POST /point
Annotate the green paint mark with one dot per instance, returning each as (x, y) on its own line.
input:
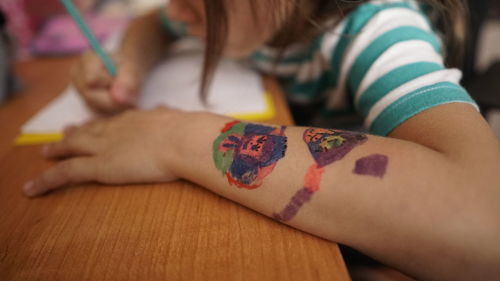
(223, 160)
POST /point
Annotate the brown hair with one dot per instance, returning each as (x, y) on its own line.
(308, 18)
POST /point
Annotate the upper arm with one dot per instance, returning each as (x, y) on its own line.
(393, 69)
(468, 145)
(395, 75)
(456, 130)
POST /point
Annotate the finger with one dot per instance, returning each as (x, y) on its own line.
(90, 72)
(82, 141)
(94, 72)
(100, 102)
(93, 83)
(63, 150)
(125, 88)
(100, 79)
(91, 96)
(69, 130)
(74, 171)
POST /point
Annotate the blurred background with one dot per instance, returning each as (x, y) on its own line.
(35, 28)
(42, 27)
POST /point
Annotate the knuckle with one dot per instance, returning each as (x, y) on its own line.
(95, 127)
(67, 172)
(68, 130)
(65, 144)
(40, 182)
(64, 169)
(50, 149)
(90, 78)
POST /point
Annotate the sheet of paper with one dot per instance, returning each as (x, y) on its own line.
(236, 89)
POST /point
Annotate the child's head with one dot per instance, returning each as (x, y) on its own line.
(243, 25)
(236, 28)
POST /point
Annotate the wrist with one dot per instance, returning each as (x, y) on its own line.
(192, 144)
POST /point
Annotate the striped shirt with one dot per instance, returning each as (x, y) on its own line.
(383, 62)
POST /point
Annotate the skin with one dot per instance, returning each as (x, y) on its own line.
(146, 42)
(326, 147)
(434, 215)
(244, 35)
(373, 165)
(247, 153)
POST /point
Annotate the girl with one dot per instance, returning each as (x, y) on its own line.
(421, 193)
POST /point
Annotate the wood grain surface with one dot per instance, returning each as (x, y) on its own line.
(175, 231)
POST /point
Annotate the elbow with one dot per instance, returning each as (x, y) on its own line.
(481, 213)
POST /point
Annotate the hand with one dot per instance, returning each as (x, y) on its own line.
(102, 92)
(133, 147)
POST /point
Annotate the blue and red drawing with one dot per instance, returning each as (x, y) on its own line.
(247, 153)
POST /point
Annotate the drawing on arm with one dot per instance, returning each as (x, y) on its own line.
(247, 153)
(326, 147)
(374, 165)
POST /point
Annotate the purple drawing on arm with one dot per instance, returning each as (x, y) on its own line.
(373, 165)
(326, 147)
(247, 153)
(292, 208)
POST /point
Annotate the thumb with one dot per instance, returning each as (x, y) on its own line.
(124, 89)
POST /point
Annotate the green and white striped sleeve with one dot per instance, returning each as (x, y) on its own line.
(177, 30)
(392, 67)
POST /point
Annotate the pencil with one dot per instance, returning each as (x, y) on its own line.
(73, 12)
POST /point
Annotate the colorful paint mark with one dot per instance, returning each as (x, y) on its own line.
(326, 147)
(302, 196)
(247, 153)
(373, 165)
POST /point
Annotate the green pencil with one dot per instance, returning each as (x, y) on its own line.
(73, 12)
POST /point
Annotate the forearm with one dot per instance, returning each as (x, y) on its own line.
(426, 200)
(403, 213)
(145, 42)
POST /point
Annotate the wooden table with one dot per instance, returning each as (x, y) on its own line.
(175, 231)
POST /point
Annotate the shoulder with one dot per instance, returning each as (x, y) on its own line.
(371, 20)
(175, 29)
(388, 60)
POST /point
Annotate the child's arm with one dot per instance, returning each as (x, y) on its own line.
(426, 201)
(144, 43)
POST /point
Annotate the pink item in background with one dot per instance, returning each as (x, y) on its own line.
(26, 17)
(39, 11)
(61, 35)
(18, 24)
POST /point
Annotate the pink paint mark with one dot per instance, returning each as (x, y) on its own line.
(326, 147)
(313, 177)
(229, 125)
(373, 165)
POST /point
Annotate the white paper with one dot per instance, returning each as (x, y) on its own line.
(175, 84)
